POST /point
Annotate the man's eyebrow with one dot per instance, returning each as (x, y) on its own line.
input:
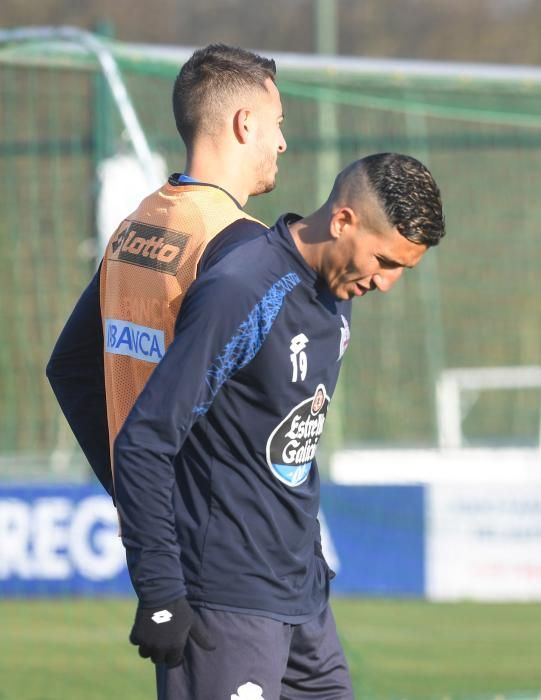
(392, 261)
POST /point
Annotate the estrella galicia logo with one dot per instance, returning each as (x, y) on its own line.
(292, 444)
(140, 342)
(149, 246)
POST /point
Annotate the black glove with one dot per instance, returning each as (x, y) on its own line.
(161, 633)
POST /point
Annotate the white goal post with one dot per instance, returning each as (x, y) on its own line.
(453, 382)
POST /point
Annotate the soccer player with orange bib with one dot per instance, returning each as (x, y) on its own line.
(228, 112)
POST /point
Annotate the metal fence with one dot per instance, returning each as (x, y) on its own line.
(473, 302)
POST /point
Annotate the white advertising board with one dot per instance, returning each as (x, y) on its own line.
(436, 466)
(483, 541)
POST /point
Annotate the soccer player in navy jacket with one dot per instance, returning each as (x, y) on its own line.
(216, 484)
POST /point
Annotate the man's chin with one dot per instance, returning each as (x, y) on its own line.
(264, 187)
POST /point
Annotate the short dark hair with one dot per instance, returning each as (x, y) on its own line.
(209, 77)
(405, 190)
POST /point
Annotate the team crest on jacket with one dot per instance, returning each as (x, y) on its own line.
(292, 444)
(344, 337)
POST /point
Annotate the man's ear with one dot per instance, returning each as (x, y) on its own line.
(243, 125)
(342, 218)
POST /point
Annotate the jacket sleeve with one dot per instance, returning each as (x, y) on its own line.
(218, 332)
(75, 372)
(239, 232)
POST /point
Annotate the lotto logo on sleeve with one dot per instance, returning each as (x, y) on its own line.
(140, 342)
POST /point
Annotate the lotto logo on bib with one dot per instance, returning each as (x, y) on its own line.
(149, 246)
(292, 445)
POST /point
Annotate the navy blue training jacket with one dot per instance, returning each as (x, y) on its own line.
(215, 478)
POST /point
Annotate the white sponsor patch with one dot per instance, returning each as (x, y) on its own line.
(292, 444)
(140, 342)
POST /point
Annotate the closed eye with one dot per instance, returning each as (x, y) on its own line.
(389, 264)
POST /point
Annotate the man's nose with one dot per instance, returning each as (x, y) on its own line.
(385, 280)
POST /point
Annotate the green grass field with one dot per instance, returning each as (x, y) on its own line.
(398, 650)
